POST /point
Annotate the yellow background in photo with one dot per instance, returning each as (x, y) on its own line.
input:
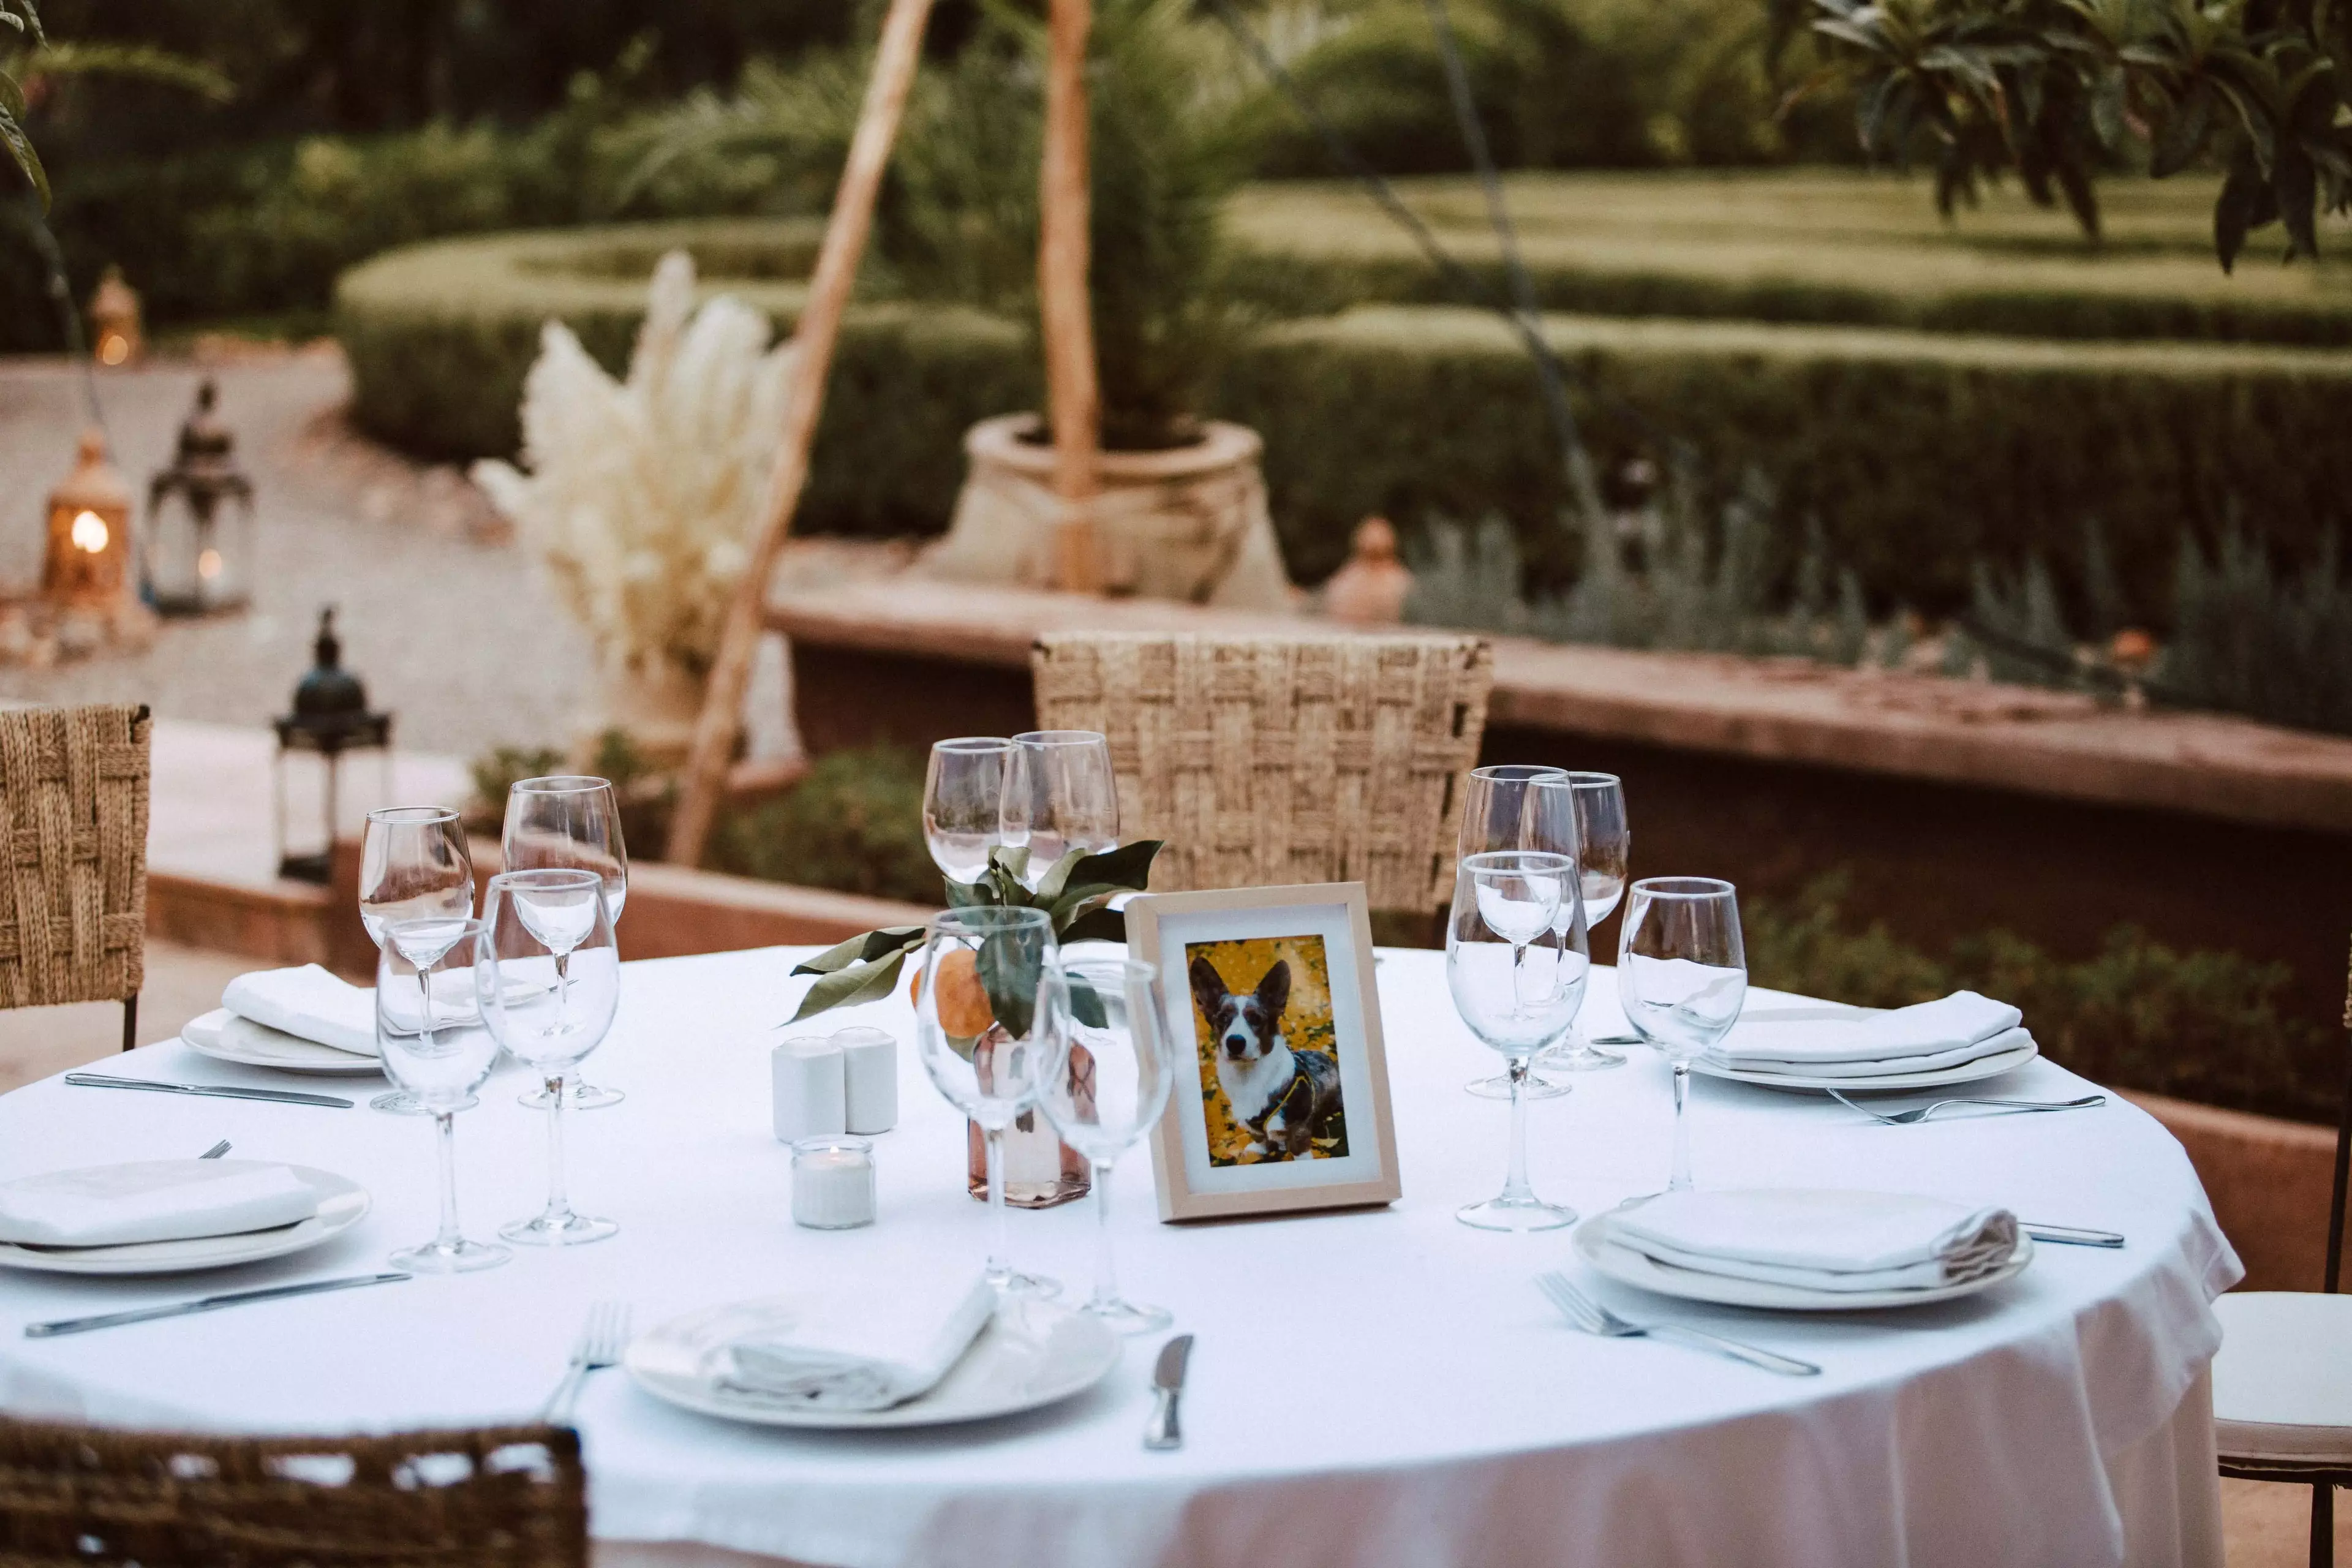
(1305, 1026)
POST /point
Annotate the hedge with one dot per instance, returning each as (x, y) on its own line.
(1812, 245)
(1920, 453)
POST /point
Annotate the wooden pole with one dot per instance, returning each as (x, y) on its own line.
(1073, 399)
(813, 338)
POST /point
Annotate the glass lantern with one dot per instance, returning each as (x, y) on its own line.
(329, 722)
(114, 329)
(86, 564)
(199, 539)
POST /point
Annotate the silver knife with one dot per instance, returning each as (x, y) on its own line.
(203, 1304)
(275, 1096)
(2069, 1236)
(1166, 1385)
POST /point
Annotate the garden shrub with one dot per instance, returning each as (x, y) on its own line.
(852, 822)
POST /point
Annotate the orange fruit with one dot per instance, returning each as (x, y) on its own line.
(960, 1000)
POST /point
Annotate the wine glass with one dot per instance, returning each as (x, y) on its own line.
(1517, 973)
(975, 1030)
(1501, 810)
(554, 984)
(964, 805)
(1103, 1079)
(1682, 974)
(1604, 847)
(1059, 795)
(569, 822)
(415, 866)
(437, 1047)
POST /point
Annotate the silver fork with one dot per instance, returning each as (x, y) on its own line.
(1595, 1319)
(603, 1339)
(1905, 1118)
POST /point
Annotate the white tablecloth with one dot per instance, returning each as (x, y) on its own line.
(1369, 1389)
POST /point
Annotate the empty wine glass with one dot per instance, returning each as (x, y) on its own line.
(1059, 795)
(1518, 973)
(437, 1046)
(569, 822)
(975, 1030)
(554, 983)
(1604, 847)
(1682, 974)
(1502, 810)
(415, 866)
(964, 805)
(1102, 1080)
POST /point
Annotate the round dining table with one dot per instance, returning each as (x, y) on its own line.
(1370, 1388)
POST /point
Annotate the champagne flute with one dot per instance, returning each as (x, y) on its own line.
(975, 1030)
(1682, 974)
(964, 805)
(415, 866)
(554, 983)
(569, 822)
(1059, 795)
(1604, 847)
(1502, 810)
(437, 1047)
(1518, 973)
(1103, 1079)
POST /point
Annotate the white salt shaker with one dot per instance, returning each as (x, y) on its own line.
(832, 1183)
(869, 1059)
(811, 1101)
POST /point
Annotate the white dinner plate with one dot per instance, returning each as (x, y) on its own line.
(1627, 1267)
(1032, 1354)
(342, 1203)
(1993, 1066)
(225, 1037)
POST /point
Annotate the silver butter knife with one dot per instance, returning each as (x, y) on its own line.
(1166, 1385)
(2068, 1235)
(275, 1096)
(203, 1304)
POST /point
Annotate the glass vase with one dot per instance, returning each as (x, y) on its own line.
(1040, 1169)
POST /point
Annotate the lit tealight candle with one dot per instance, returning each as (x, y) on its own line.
(832, 1183)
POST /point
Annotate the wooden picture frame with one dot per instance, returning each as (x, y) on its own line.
(1322, 1135)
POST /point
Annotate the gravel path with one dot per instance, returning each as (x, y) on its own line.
(449, 622)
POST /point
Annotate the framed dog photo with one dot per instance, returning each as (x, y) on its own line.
(1286, 1104)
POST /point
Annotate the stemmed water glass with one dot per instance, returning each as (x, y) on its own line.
(1604, 847)
(569, 822)
(437, 1047)
(1059, 795)
(553, 982)
(1682, 974)
(1502, 809)
(975, 1030)
(415, 870)
(1517, 974)
(1103, 1079)
(963, 803)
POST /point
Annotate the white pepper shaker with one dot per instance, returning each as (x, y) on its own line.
(810, 1097)
(870, 1077)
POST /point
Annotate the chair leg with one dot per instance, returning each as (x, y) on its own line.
(130, 1023)
(2323, 1525)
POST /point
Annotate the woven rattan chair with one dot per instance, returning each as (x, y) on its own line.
(2283, 1382)
(73, 802)
(1266, 761)
(489, 1497)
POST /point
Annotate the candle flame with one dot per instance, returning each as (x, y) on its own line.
(208, 564)
(113, 348)
(89, 532)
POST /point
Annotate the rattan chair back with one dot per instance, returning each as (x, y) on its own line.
(1263, 760)
(509, 1496)
(73, 804)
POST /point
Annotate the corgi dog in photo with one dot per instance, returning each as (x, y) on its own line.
(1281, 1096)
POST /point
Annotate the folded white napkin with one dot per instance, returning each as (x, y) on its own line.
(1920, 1038)
(1820, 1240)
(865, 1350)
(152, 1200)
(307, 1001)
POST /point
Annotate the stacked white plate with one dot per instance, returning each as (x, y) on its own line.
(1796, 1011)
(225, 1037)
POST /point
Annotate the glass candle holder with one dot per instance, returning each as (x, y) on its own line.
(832, 1183)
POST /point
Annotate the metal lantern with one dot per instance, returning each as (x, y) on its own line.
(330, 720)
(200, 520)
(115, 337)
(87, 564)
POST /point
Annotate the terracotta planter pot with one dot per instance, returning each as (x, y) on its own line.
(1191, 523)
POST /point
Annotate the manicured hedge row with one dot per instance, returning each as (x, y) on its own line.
(1920, 453)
